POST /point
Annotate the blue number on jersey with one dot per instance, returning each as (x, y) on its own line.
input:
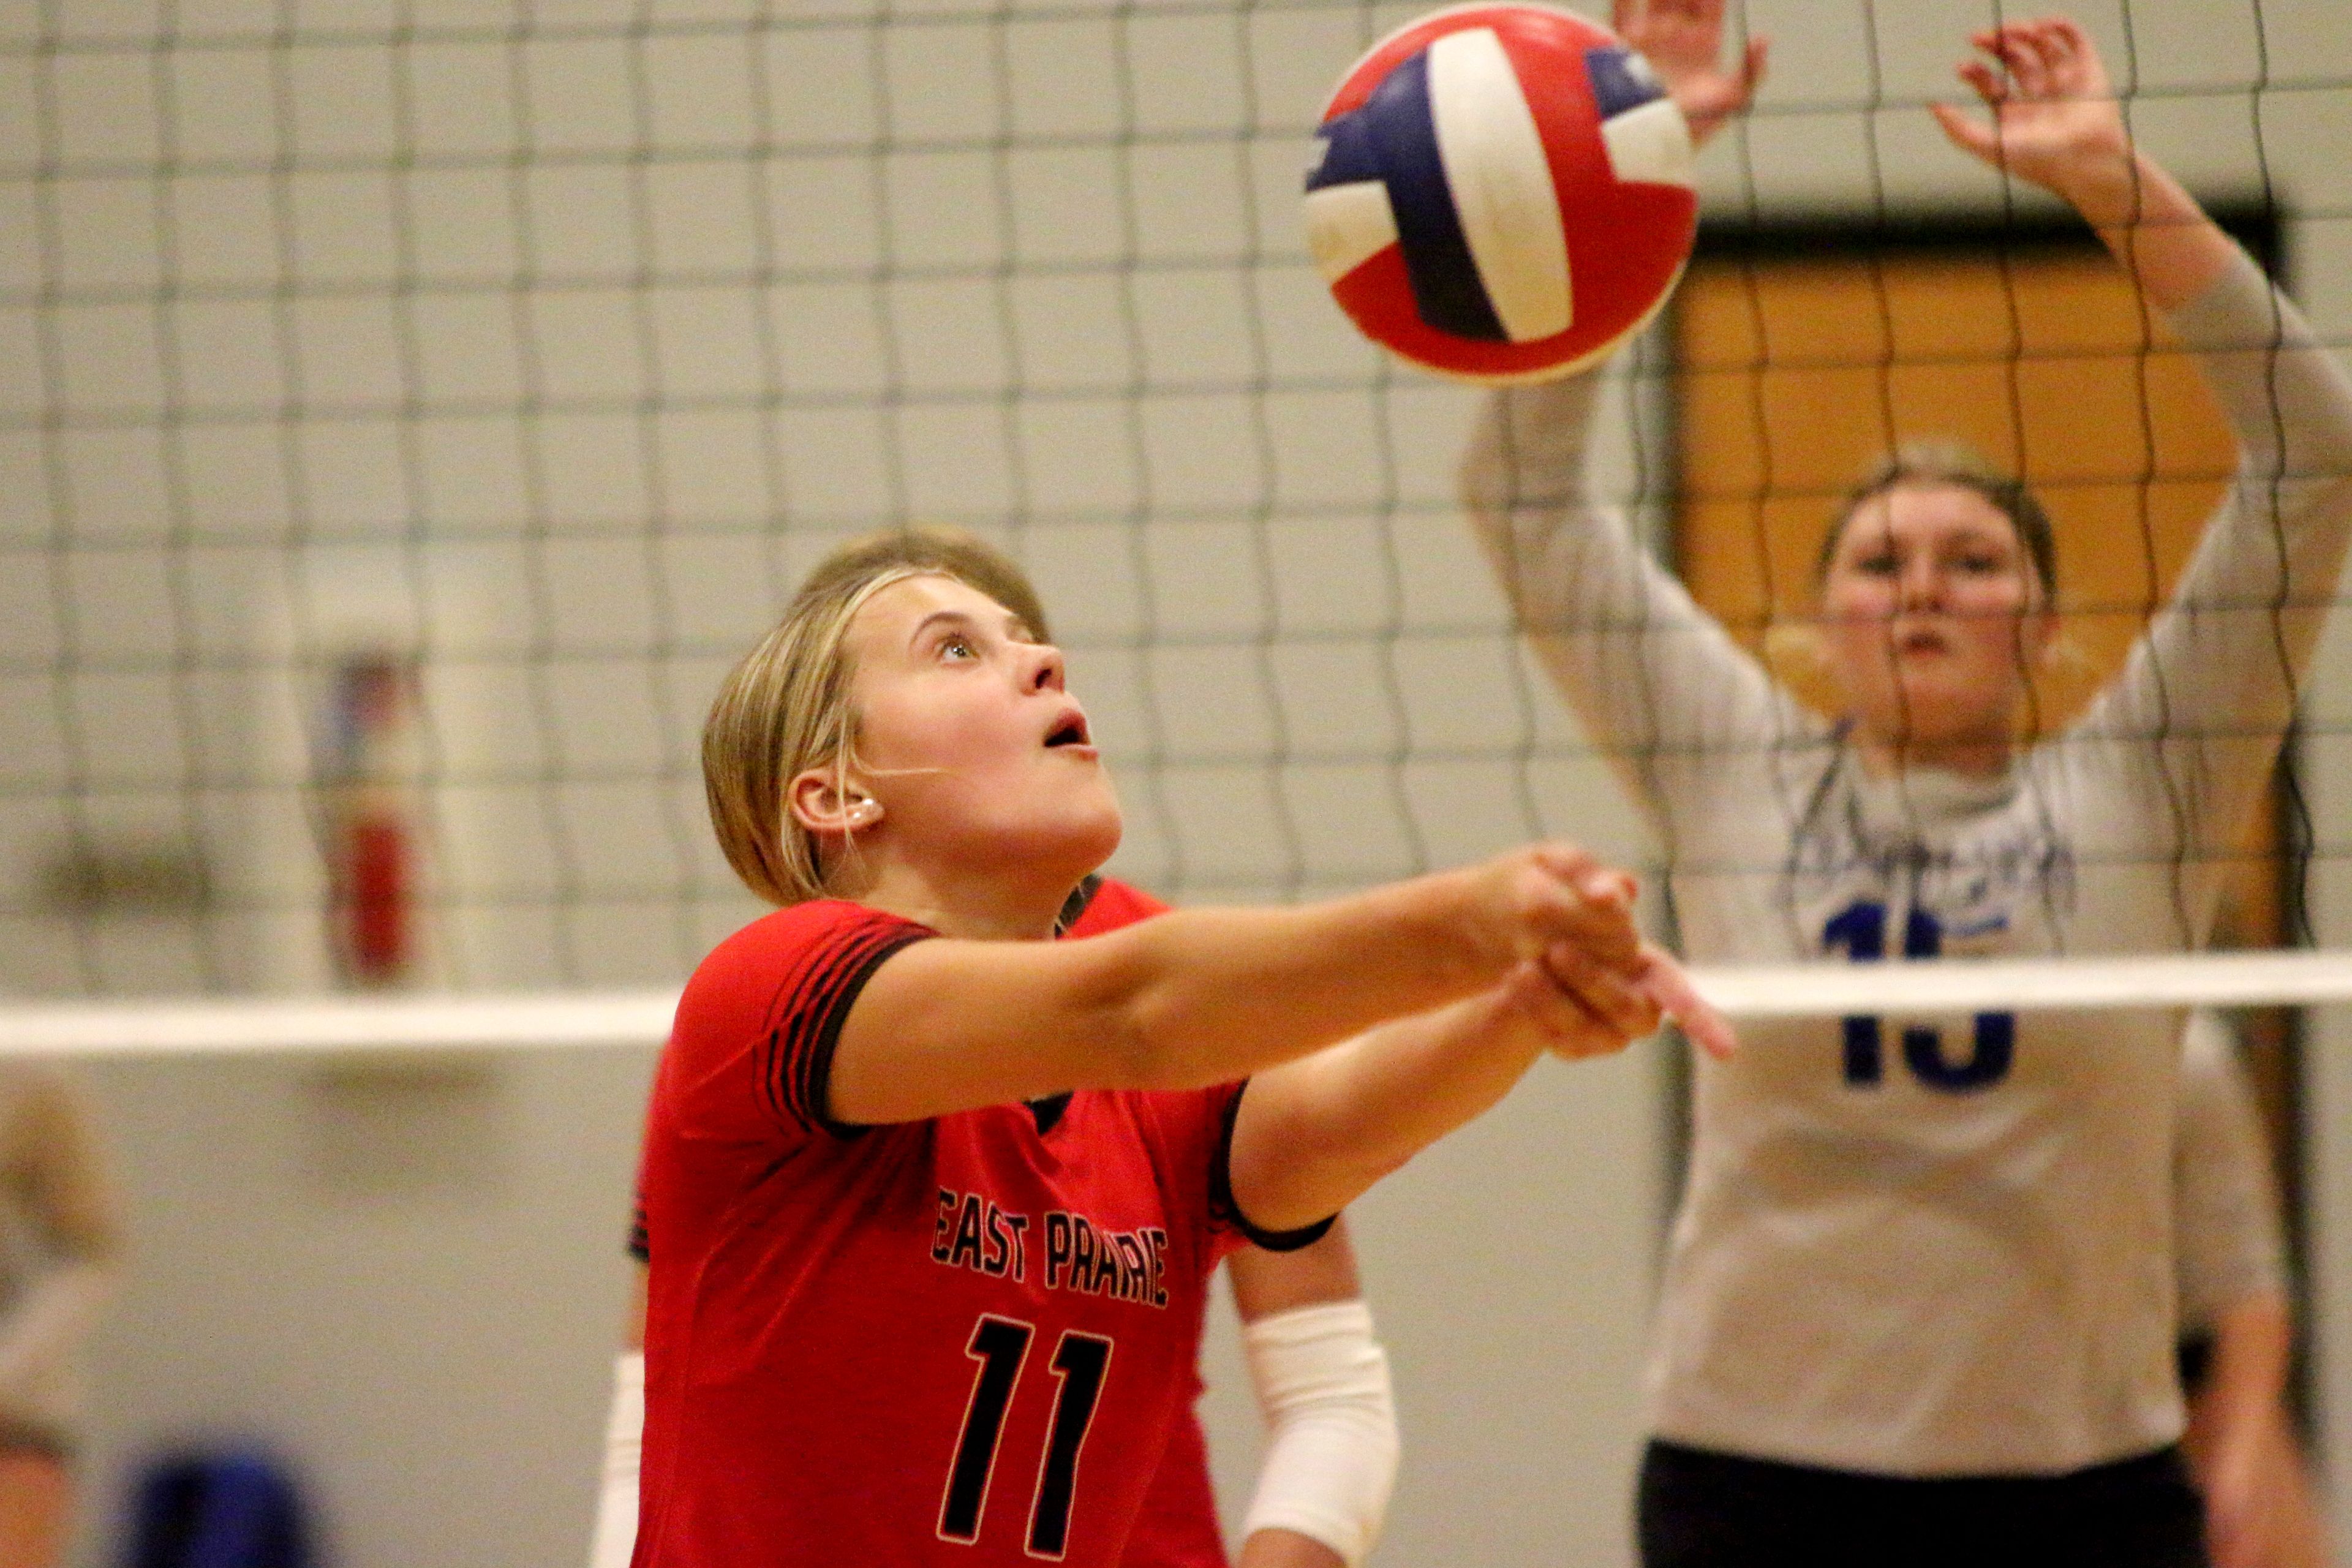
(1861, 930)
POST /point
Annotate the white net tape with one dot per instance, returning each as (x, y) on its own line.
(641, 1017)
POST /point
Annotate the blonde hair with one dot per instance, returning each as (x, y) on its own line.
(785, 708)
(950, 552)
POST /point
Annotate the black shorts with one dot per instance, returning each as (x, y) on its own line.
(1700, 1508)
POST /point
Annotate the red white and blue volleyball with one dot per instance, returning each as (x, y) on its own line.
(1503, 193)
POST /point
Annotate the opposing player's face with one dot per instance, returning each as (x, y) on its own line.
(1934, 617)
(968, 735)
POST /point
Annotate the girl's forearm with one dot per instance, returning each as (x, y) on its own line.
(1223, 993)
(2154, 226)
(1233, 992)
(2253, 1344)
(1196, 998)
(1314, 1134)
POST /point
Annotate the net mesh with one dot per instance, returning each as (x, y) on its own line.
(412, 409)
(409, 408)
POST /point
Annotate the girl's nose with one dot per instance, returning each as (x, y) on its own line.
(1922, 585)
(1047, 672)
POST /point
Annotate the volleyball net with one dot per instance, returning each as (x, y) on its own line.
(407, 422)
(409, 411)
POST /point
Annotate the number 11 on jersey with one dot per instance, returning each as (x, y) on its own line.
(1001, 1346)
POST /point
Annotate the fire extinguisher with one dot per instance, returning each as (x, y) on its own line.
(370, 835)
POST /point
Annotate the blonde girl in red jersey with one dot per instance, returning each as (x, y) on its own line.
(1319, 1372)
(931, 1200)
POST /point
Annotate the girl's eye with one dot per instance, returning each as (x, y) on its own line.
(1879, 566)
(956, 645)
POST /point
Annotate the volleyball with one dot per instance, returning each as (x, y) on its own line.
(1501, 193)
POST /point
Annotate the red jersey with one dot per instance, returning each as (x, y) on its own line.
(963, 1340)
(1178, 1525)
(1103, 904)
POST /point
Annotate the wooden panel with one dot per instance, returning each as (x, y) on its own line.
(1797, 375)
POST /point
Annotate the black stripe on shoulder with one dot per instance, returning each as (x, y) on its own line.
(815, 1027)
(771, 1058)
(1222, 1208)
(783, 1069)
(813, 1031)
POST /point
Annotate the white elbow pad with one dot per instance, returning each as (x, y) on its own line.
(1322, 1383)
(616, 1504)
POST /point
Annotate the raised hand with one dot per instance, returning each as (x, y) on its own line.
(1682, 41)
(2055, 120)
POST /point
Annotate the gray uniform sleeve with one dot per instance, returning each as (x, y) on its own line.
(2214, 683)
(2228, 1244)
(1661, 688)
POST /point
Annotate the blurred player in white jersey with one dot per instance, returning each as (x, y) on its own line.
(1917, 1303)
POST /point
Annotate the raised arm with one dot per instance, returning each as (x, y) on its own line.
(2216, 676)
(2215, 680)
(1203, 996)
(1657, 683)
(1661, 688)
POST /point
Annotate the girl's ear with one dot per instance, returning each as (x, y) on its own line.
(823, 804)
(2039, 630)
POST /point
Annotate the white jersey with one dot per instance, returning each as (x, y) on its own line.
(1937, 1246)
(2227, 1206)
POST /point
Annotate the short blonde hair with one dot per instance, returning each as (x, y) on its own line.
(785, 708)
(950, 552)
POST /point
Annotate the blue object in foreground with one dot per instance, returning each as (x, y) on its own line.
(229, 1509)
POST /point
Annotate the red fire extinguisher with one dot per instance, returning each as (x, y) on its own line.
(370, 838)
